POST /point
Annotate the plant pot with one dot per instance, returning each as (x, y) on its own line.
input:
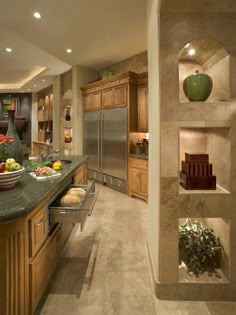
(198, 86)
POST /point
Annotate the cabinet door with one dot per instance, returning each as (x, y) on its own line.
(96, 100)
(107, 98)
(92, 101)
(143, 182)
(38, 229)
(87, 102)
(143, 108)
(41, 270)
(115, 97)
(134, 180)
(120, 95)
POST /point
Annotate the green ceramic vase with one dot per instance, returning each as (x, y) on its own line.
(14, 149)
(198, 86)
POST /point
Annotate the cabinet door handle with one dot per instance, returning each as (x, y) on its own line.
(40, 222)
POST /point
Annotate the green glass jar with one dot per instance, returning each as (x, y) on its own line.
(198, 86)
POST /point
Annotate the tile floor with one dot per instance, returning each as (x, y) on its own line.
(106, 268)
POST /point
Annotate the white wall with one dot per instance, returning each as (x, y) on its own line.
(154, 131)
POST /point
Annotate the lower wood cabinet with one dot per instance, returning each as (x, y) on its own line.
(38, 230)
(80, 176)
(41, 269)
(30, 250)
(138, 178)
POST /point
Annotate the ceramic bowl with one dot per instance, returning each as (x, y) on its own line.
(9, 180)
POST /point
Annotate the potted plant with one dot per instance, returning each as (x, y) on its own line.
(199, 248)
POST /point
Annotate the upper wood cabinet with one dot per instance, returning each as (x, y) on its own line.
(92, 101)
(143, 107)
(142, 99)
(114, 92)
(115, 97)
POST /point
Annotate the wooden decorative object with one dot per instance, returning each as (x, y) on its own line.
(196, 172)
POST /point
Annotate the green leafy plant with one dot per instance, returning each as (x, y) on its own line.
(199, 248)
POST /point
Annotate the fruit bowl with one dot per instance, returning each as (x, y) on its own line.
(8, 180)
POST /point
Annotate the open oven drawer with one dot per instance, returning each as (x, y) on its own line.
(75, 214)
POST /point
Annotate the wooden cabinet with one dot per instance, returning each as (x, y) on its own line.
(45, 115)
(40, 148)
(138, 178)
(114, 92)
(143, 107)
(80, 176)
(30, 250)
(92, 101)
(38, 230)
(41, 269)
(114, 97)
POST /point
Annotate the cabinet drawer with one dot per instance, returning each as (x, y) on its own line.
(42, 268)
(38, 229)
(138, 163)
(73, 214)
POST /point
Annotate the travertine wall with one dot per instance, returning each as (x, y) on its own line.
(209, 126)
(137, 63)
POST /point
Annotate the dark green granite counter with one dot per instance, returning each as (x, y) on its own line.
(29, 193)
(139, 156)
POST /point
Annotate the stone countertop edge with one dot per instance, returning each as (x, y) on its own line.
(28, 193)
(139, 156)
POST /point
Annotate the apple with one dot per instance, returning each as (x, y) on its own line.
(9, 161)
(2, 167)
(15, 167)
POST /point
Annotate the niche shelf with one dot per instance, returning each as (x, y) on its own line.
(214, 141)
(210, 57)
(221, 228)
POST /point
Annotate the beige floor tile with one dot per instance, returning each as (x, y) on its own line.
(222, 308)
(181, 308)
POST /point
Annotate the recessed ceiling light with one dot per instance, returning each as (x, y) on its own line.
(35, 85)
(43, 80)
(37, 15)
(28, 89)
(8, 49)
(187, 45)
(69, 50)
(22, 91)
(191, 52)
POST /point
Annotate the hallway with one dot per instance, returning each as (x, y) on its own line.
(106, 269)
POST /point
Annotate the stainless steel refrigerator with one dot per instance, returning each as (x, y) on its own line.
(105, 141)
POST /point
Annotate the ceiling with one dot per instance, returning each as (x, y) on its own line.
(99, 33)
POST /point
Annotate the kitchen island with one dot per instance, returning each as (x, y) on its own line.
(30, 247)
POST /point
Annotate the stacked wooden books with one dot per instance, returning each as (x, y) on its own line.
(196, 172)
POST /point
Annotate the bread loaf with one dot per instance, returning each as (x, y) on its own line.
(77, 191)
(70, 200)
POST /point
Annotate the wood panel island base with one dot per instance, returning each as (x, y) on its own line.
(30, 244)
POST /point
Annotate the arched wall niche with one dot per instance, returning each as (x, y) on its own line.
(208, 56)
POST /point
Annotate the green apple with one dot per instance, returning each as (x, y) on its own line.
(10, 161)
(15, 167)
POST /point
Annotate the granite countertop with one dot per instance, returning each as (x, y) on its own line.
(139, 156)
(29, 193)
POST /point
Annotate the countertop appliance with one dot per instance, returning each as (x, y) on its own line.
(105, 139)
